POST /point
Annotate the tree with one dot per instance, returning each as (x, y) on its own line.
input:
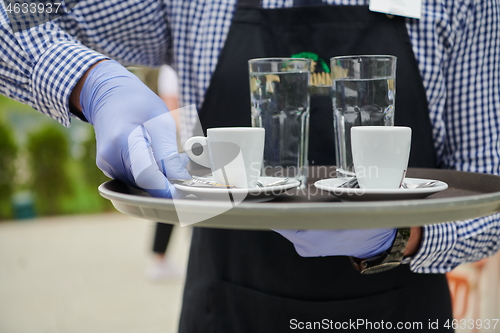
(8, 154)
(48, 151)
(92, 175)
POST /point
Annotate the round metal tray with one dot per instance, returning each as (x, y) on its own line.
(469, 195)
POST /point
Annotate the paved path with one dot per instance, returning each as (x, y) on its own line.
(85, 274)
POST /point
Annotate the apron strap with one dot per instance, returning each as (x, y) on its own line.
(296, 3)
(249, 3)
(302, 3)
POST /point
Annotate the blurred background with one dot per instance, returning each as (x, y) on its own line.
(46, 169)
(70, 263)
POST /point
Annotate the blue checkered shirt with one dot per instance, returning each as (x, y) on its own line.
(456, 43)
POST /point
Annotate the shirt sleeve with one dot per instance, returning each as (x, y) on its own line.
(462, 78)
(40, 66)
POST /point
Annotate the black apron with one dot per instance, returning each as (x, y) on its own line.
(254, 281)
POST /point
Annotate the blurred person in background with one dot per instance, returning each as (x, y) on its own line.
(258, 281)
(163, 268)
(168, 86)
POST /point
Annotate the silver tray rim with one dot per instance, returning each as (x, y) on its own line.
(311, 215)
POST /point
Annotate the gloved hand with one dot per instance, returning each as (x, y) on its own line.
(135, 132)
(360, 243)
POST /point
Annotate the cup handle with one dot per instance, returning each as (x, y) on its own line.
(201, 159)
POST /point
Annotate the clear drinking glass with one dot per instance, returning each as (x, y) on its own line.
(363, 93)
(280, 104)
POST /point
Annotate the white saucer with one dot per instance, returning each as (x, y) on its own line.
(357, 194)
(237, 195)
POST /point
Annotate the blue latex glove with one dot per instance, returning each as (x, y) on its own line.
(360, 243)
(135, 132)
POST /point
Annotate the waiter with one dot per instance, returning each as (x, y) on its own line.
(255, 281)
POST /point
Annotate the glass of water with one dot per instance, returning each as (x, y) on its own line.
(280, 104)
(364, 94)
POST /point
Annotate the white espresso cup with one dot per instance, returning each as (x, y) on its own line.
(234, 154)
(380, 155)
